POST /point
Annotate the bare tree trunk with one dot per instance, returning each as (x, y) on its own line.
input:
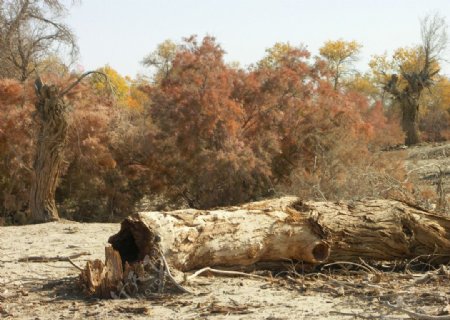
(410, 119)
(434, 42)
(51, 114)
(273, 232)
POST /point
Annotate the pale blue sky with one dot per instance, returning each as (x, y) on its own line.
(121, 32)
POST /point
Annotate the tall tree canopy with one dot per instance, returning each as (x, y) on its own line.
(30, 31)
(340, 55)
(161, 59)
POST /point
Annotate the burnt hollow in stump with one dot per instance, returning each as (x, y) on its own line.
(134, 241)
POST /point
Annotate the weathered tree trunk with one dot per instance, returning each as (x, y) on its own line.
(413, 81)
(237, 236)
(381, 230)
(280, 230)
(51, 114)
(410, 119)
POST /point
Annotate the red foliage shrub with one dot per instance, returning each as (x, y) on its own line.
(227, 136)
(16, 151)
(384, 132)
(11, 92)
(201, 154)
(103, 179)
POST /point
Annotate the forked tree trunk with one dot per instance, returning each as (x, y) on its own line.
(410, 119)
(273, 232)
(51, 139)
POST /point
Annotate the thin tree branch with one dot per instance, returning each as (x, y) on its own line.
(84, 75)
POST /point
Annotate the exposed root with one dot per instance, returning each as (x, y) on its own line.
(166, 266)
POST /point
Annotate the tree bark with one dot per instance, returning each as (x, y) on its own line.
(381, 230)
(410, 119)
(52, 117)
(284, 229)
(237, 236)
(408, 98)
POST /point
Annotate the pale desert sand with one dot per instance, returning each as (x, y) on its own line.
(48, 290)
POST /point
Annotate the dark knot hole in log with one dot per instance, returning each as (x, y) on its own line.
(321, 251)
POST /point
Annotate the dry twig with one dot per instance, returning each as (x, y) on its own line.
(72, 263)
(414, 315)
(355, 315)
(224, 272)
(52, 259)
(370, 270)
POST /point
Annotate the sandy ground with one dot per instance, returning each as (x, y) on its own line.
(48, 290)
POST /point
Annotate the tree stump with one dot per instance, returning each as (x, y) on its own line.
(103, 278)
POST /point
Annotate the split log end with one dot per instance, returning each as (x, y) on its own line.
(102, 279)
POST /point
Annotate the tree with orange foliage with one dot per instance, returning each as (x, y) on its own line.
(316, 137)
(16, 152)
(201, 155)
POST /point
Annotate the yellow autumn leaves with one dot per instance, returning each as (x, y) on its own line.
(340, 55)
(126, 91)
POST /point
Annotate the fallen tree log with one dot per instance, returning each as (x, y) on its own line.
(279, 230)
